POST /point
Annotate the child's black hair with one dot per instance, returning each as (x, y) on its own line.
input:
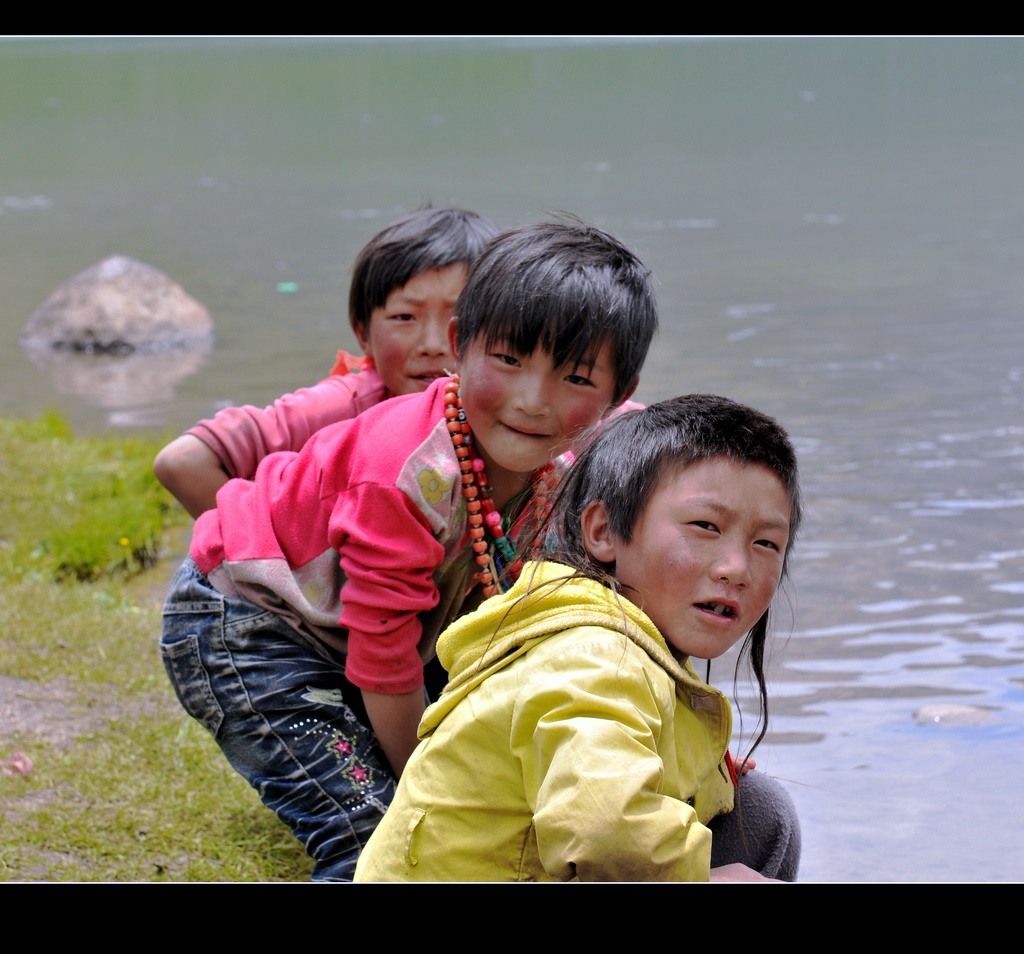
(563, 286)
(415, 243)
(630, 455)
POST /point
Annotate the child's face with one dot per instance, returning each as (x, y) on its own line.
(408, 337)
(706, 556)
(524, 412)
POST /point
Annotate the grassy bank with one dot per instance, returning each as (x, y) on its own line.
(123, 785)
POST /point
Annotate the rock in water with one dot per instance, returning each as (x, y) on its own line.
(119, 306)
(120, 335)
(948, 713)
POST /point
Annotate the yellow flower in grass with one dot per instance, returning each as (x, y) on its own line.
(433, 485)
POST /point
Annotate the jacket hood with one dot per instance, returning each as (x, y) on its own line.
(547, 599)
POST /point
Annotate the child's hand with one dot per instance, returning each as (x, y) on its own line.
(737, 872)
(736, 769)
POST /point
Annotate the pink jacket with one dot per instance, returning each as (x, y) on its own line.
(352, 538)
(242, 436)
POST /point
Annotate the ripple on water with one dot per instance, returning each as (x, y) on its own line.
(1015, 586)
(897, 606)
(976, 504)
(948, 713)
(22, 203)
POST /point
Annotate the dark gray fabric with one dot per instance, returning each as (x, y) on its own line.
(762, 832)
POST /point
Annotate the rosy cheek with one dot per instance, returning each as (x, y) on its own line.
(580, 416)
(394, 353)
(486, 391)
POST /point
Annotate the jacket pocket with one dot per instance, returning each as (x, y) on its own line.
(410, 833)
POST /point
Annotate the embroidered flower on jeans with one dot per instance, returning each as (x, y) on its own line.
(359, 774)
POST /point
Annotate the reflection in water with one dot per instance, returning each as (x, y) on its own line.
(130, 387)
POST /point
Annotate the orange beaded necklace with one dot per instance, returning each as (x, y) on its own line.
(499, 564)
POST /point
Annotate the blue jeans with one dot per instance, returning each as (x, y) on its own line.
(273, 701)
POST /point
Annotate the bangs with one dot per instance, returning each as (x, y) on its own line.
(566, 288)
(569, 313)
(416, 243)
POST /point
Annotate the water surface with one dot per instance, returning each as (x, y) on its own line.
(836, 228)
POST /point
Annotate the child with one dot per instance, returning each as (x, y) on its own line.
(308, 669)
(405, 283)
(575, 739)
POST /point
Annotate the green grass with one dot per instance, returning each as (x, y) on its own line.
(86, 509)
(125, 787)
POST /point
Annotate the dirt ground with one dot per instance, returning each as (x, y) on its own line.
(52, 711)
(42, 710)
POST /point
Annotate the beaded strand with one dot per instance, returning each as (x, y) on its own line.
(497, 560)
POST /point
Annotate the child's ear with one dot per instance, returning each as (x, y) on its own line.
(627, 394)
(362, 331)
(598, 538)
(452, 322)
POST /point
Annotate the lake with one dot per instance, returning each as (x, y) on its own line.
(836, 227)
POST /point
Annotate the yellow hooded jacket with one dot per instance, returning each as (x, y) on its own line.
(569, 743)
